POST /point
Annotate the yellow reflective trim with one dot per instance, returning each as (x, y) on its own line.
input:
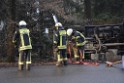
(62, 32)
(81, 44)
(81, 34)
(58, 57)
(28, 62)
(62, 47)
(60, 40)
(13, 41)
(65, 59)
(75, 53)
(21, 63)
(55, 42)
(25, 47)
(23, 31)
(73, 37)
(77, 37)
(56, 35)
(19, 60)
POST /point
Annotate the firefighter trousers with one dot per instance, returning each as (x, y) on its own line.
(61, 55)
(78, 52)
(24, 56)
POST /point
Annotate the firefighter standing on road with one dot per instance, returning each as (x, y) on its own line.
(78, 41)
(60, 38)
(22, 40)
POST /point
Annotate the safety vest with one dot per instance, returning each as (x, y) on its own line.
(25, 39)
(62, 39)
(79, 39)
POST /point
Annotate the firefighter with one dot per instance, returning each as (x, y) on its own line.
(78, 41)
(59, 41)
(22, 40)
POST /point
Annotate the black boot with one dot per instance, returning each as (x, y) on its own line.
(65, 62)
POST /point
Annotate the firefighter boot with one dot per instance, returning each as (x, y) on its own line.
(20, 67)
(28, 67)
(59, 63)
(77, 61)
(65, 62)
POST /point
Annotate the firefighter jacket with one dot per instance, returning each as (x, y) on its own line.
(78, 38)
(22, 39)
(60, 39)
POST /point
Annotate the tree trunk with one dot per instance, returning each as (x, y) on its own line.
(10, 46)
(10, 30)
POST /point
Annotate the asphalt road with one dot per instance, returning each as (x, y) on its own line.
(68, 74)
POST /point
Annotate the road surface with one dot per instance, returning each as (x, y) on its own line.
(68, 74)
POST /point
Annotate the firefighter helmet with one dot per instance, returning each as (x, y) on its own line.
(69, 32)
(58, 24)
(22, 23)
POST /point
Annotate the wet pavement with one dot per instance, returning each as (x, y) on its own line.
(68, 74)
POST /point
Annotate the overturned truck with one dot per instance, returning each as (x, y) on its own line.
(105, 42)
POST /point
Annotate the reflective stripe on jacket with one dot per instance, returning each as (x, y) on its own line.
(79, 38)
(60, 39)
(25, 39)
